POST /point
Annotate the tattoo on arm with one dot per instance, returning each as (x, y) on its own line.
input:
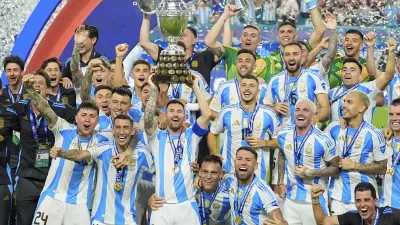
(43, 107)
(218, 52)
(331, 53)
(281, 167)
(377, 168)
(77, 81)
(149, 123)
(332, 169)
(87, 85)
(75, 155)
(277, 215)
(75, 59)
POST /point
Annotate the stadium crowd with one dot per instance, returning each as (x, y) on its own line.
(286, 139)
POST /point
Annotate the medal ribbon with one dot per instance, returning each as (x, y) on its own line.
(206, 210)
(120, 171)
(287, 84)
(249, 130)
(337, 97)
(175, 90)
(346, 148)
(395, 160)
(297, 151)
(35, 124)
(239, 206)
(376, 217)
(178, 149)
(88, 145)
(58, 98)
(11, 94)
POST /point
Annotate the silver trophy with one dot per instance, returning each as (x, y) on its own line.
(172, 17)
(240, 4)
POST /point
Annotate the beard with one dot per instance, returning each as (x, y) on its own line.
(298, 64)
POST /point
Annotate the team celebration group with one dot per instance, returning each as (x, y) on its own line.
(286, 139)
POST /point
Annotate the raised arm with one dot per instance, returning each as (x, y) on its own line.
(370, 40)
(330, 24)
(39, 102)
(79, 38)
(150, 123)
(73, 154)
(383, 80)
(147, 45)
(211, 38)
(205, 110)
(119, 78)
(316, 19)
(325, 109)
(319, 215)
(94, 65)
(227, 36)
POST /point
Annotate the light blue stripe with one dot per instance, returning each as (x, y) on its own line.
(228, 123)
(162, 140)
(98, 215)
(119, 207)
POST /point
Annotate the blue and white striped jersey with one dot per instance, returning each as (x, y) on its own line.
(182, 91)
(391, 183)
(393, 88)
(136, 101)
(104, 122)
(336, 99)
(263, 92)
(319, 69)
(284, 88)
(368, 147)
(111, 206)
(175, 188)
(228, 93)
(260, 201)
(220, 207)
(69, 181)
(234, 122)
(318, 149)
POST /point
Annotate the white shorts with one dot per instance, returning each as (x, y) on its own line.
(183, 213)
(300, 212)
(338, 207)
(55, 212)
(143, 192)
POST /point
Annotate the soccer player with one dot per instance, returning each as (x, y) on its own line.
(8, 122)
(213, 198)
(361, 148)
(36, 141)
(173, 151)
(390, 191)
(140, 73)
(61, 88)
(202, 62)
(102, 98)
(13, 91)
(115, 190)
(245, 124)
(252, 200)
(85, 39)
(294, 83)
(367, 212)
(350, 73)
(228, 92)
(307, 157)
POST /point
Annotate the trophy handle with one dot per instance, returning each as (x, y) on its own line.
(147, 7)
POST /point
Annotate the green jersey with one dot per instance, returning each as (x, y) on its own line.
(265, 66)
(335, 72)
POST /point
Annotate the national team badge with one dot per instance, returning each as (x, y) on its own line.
(390, 171)
(64, 100)
(288, 147)
(216, 206)
(308, 151)
(1, 122)
(195, 63)
(302, 86)
(258, 124)
(358, 144)
(25, 96)
(132, 163)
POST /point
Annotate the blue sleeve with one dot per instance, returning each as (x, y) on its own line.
(198, 130)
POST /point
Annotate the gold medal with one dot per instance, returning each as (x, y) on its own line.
(175, 170)
(390, 171)
(238, 220)
(118, 186)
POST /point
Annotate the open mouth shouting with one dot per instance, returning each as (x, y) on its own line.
(247, 94)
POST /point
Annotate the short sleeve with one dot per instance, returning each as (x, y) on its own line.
(379, 144)
(268, 99)
(349, 218)
(268, 201)
(374, 91)
(60, 125)
(96, 150)
(217, 126)
(215, 104)
(320, 86)
(330, 149)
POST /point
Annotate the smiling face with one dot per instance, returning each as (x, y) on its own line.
(13, 73)
(86, 120)
(352, 106)
(303, 115)
(120, 104)
(175, 115)
(292, 56)
(250, 39)
(102, 100)
(210, 175)
(123, 131)
(144, 98)
(54, 72)
(100, 77)
(286, 35)
(350, 74)
(139, 74)
(249, 90)
(39, 84)
(365, 204)
(352, 44)
(245, 165)
(245, 64)
(394, 118)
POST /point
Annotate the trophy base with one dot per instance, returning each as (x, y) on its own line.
(172, 68)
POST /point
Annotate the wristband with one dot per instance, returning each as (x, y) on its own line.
(310, 4)
(315, 201)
